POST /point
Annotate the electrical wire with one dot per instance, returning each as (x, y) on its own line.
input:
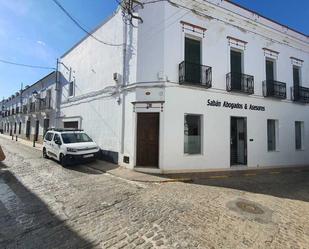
(25, 65)
(82, 28)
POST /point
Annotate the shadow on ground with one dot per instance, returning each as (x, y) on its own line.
(285, 185)
(27, 222)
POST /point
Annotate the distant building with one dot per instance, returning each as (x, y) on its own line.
(31, 111)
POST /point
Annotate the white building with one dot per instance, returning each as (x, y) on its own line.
(198, 85)
(31, 111)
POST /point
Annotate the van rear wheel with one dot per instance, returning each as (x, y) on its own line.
(45, 153)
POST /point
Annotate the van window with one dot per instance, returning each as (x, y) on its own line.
(49, 136)
(69, 138)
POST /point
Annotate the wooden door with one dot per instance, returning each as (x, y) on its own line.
(147, 150)
(192, 60)
(36, 134)
(236, 70)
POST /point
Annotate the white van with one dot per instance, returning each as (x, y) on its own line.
(69, 146)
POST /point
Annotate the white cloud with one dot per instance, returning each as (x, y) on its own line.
(41, 43)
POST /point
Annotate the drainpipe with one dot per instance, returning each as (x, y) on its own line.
(57, 99)
(124, 80)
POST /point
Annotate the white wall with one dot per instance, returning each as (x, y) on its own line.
(216, 130)
(220, 23)
(98, 103)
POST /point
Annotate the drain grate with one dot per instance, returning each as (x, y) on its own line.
(249, 207)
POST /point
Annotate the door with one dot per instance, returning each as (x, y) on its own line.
(296, 82)
(238, 141)
(236, 69)
(192, 60)
(28, 127)
(55, 148)
(46, 126)
(36, 134)
(270, 77)
(147, 146)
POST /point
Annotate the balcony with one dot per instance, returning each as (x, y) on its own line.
(237, 82)
(273, 88)
(300, 94)
(195, 74)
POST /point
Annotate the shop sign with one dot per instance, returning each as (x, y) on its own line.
(231, 105)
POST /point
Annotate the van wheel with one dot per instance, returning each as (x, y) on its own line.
(62, 160)
(45, 153)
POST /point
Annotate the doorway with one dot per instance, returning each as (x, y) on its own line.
(236, 70)
(147, 144)
(192, 60)
(36, 134)
(238, 141)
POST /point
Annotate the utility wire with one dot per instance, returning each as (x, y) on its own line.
(82, 28)
(25, 65)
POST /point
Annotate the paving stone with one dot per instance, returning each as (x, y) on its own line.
(43, 205)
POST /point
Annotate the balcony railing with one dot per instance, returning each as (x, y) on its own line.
(273, 88)
(300, 94)
(46, 104)
(195, 74)
(238, 82)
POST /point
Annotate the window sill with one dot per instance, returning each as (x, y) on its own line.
(192, 155)
(273, 151)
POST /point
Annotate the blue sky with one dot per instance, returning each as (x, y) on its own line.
(37, 32)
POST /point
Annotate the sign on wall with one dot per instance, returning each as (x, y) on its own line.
(232, 105)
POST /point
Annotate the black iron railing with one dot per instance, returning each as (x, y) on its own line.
(195, 74)
(238, 82)
(273, 88)
(300, 94)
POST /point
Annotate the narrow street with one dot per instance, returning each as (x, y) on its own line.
(43, 205)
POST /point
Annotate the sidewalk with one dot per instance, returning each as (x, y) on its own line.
(23, 141)
(132, 175)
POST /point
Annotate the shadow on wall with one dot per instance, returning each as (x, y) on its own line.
(26, 221)
(285, 185)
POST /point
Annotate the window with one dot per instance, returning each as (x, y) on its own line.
(49, 136)
(270, 70)
(71, 88)
(272, 136)
(299, 130)
(296, 76)
(57, 138)
(192, 134)
(69, 138)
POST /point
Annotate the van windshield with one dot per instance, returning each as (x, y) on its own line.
(69, 138)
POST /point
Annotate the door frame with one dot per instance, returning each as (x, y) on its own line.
(246, 141)
(135, 140)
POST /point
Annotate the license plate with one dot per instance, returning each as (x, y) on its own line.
(87, 156)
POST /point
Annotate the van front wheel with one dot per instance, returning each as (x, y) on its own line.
(62, 160)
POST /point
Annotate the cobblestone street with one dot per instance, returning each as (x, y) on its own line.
(43, 205)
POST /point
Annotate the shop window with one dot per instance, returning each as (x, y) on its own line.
(272, 135)
(192, 134)
(299, 138)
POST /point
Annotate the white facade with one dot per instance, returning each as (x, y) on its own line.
(35, 105)
(147, 73)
